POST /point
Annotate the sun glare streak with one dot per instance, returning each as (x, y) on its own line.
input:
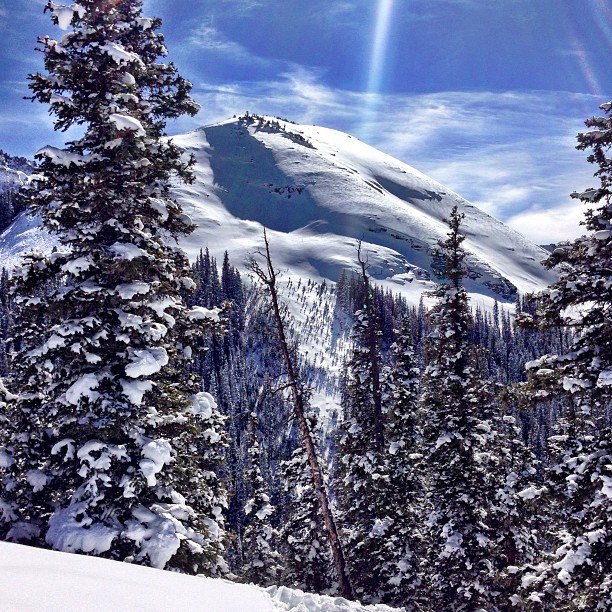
(377, 66)
(592, 23)
(379, 49)
(585, 66)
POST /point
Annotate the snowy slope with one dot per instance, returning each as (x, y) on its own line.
(33, 580)
(14, 171)
(319, 191)
(25, 234)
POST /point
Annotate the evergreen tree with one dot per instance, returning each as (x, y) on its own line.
(402, 488)
(5, 320)
(259, 557)
(578, 576)
(7, 211)
(13, 169)
(519, 512)
(463, 468)
(307, 560)
(360, 464)
(7, 510)
(116, 449)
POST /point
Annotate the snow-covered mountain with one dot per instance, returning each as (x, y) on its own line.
(319, 192)
(14, 170)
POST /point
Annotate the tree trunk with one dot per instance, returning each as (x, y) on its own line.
(268, 278)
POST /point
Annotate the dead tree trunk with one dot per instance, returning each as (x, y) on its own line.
(267, 276)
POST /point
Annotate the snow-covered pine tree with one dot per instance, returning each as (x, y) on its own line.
(402, 488)
(5, 319)
(307, 561)
(115, 449)
(519, 512)
(260, 560)
(233, 291)
(461, 462)
(7, 510)
(360, 469)
(578, 576)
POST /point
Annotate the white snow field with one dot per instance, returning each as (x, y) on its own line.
(35, 580)
(319, 191)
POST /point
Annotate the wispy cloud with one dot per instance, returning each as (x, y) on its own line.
(233, 7)
(551, 225)
(209, 38)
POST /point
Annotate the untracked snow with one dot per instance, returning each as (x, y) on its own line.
(32, 579)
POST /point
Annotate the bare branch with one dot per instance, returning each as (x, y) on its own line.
(268, 278)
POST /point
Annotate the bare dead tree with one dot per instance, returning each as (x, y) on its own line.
(267, 275)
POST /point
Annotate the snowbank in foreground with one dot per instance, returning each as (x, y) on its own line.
(294, 600)
(34, 580)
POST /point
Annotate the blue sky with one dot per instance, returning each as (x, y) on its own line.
(485, 96)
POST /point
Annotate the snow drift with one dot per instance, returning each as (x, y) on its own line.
(35, 579)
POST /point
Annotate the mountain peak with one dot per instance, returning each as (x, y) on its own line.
(320, 191)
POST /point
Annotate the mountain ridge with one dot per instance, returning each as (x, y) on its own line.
(319, 185)
(320, 192)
